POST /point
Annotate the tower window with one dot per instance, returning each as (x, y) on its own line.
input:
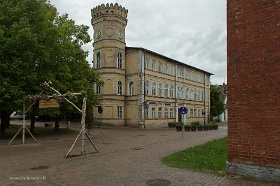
(98, 60)
(131, 88)
(120, 88)
(120, 112)
(120, 60)
(97, 89)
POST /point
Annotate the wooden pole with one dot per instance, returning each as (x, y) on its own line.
(84, 125)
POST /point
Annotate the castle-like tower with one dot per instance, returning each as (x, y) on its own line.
(109, 22)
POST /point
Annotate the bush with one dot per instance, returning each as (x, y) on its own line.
(171, 124)
(187, 127)
(195, 124)
(179, 124)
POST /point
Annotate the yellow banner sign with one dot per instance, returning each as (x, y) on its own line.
(52, 103)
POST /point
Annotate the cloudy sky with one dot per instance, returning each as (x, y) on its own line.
(190, 31)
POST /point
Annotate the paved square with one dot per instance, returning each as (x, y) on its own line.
(128, 156)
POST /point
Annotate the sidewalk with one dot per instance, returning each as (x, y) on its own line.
(127, 156)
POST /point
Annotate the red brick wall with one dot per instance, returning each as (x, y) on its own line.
(254, 82)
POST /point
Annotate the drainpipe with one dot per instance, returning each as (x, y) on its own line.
(176, 99)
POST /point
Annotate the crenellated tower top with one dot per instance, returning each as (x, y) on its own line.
(109, 9)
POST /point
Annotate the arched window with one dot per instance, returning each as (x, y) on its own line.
(160, 89)
(147, 88)
(202, 96)
(120, 60)
(147, 63)
(120, 88)
(154, 89)
(166, 90)
(131, 88)
(172, 70)
(171, 91)
(98, 60)
(187, 74)
(165, 68)
(178, 92)
(191, 94)
(154, 65)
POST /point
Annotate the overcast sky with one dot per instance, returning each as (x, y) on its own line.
(190, 31)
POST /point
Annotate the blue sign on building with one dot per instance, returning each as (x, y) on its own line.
(183, 110)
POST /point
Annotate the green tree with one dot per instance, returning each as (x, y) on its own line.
(37, 45)
(217, 106)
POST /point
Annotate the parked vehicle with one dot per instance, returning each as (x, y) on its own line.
(44, 118)
(16, 115)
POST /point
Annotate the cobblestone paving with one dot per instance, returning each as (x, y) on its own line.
(126, 157)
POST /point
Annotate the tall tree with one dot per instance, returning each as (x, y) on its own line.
(217, 106)
(37, 45)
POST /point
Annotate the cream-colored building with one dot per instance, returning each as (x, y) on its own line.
(142, 87)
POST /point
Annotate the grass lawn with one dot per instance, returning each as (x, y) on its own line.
(210, 157)
(38, 131)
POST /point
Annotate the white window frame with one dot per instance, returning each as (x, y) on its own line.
(97, 89)
(120, 111)
(160, 112)
(166, 90)
(154, 89)
(131, 88)
(166, 68)
(153, 112)
(147, 87)
(119, 88)
(160, 90)
(165, 112)
(171, 91)
(98, 60)
(171, 112)
(120, 60)
(160, 68)
(172, 70)
(146, 110)
(147, 63)
(154, 65)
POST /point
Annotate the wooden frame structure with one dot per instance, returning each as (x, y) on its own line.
(46, 85)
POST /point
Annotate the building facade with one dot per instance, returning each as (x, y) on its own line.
(253, 88)
(141, 87)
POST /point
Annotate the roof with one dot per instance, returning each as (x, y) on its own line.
(176, 61)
